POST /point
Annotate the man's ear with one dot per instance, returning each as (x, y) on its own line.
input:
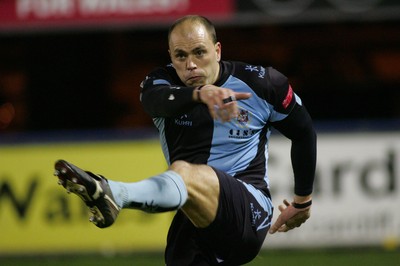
(218, 50)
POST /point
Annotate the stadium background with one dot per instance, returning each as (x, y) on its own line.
(71, 70)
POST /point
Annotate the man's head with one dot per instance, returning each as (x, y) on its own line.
(194, 50)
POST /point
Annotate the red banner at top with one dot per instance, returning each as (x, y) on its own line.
(55, 13)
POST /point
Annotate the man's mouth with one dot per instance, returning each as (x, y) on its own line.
(194, 77)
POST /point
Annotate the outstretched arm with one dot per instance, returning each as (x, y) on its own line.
(298, 127)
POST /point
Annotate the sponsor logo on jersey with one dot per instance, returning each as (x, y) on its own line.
(241, 133)
(183, 121)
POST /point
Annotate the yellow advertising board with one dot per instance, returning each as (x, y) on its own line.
(38, 216)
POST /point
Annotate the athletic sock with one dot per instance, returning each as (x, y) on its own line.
(161, 193)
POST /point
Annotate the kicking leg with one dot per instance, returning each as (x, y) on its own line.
(194, 188)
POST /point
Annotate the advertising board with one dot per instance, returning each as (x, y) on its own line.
(50, 14)
(38, 216)
(355, 195)
(355, 199)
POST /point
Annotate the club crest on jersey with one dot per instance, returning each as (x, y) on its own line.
(242, 130)
(243, 117)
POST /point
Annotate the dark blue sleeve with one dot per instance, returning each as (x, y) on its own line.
(163, 95)
(298, 127)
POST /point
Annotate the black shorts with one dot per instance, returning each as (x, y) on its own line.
(236, 235)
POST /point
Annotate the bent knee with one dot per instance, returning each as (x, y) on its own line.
(189, 170)
(197, 177)
(180, 166)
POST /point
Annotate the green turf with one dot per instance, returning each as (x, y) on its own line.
(343, 257)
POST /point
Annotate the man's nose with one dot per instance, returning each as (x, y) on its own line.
(190, 65)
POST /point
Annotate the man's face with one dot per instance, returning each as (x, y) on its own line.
(194, 55)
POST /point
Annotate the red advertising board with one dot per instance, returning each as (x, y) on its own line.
(28, 14)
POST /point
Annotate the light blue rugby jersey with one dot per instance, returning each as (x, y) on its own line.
(238, 147)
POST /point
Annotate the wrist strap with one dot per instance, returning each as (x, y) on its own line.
(198, 92)
(302, 205)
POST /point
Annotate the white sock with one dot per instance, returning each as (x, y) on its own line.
(164, 192)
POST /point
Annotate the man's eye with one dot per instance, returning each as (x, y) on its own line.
(199, 53)
(180, 56)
